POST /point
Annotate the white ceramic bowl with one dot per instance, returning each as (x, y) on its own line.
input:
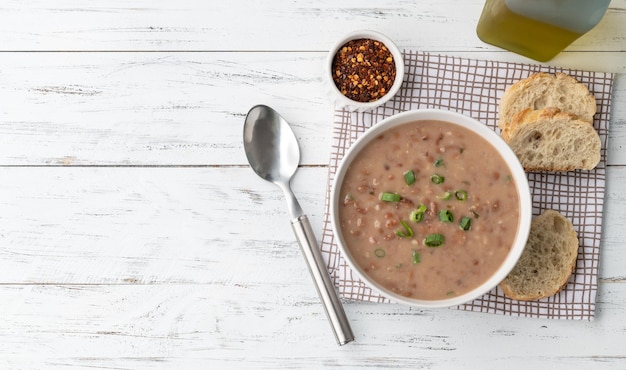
(519, 179)
(341, 100)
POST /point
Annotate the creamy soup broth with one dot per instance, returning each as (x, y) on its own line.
(454, 170)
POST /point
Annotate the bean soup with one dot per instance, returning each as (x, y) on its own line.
(429, 210)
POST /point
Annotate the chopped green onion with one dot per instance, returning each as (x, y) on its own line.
(437, 179)
(466, 223)
(416, 258)
(474, 214)
(433, 240)
(450, 293)
(461, 195)
(409, 177)
(438, 162)
(398, 265)
(418, 214)
(446, 196)
(390, 197)
(407, 228)
(445, 216)
(380, 253)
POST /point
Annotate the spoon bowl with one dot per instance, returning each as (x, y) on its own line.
(270, 145)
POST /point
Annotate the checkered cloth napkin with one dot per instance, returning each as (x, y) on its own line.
(474, 87)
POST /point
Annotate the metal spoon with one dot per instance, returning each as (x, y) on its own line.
(273, 152)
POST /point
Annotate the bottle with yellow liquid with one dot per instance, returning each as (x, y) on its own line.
(538, 29)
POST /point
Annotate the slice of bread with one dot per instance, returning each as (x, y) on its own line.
(547, 261)
(550, 140)
(543, 90)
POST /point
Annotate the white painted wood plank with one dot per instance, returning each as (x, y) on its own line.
(263, 325)
(185, 108)
(148, 225)
(180, 225)
(447, 25)
(153, 108)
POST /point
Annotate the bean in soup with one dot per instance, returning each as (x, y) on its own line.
(429, 210)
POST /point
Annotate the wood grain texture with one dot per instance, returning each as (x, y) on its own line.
(271, 325)
(249, 25)
(68, 109)
(179, 225)
(134, 236)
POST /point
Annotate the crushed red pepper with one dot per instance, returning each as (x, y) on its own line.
(364, 70)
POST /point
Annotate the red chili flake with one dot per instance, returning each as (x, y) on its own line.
(364, 70)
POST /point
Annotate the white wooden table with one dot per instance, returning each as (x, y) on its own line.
(134, 236)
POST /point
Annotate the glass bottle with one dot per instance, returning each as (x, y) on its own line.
(538, 29)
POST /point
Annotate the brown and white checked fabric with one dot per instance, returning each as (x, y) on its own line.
(474, 87)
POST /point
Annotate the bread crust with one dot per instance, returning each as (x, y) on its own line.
(528, 115)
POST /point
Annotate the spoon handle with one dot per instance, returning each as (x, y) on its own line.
(325, 288)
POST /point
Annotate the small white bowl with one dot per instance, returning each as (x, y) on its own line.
(519, 179)
(341, 100)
